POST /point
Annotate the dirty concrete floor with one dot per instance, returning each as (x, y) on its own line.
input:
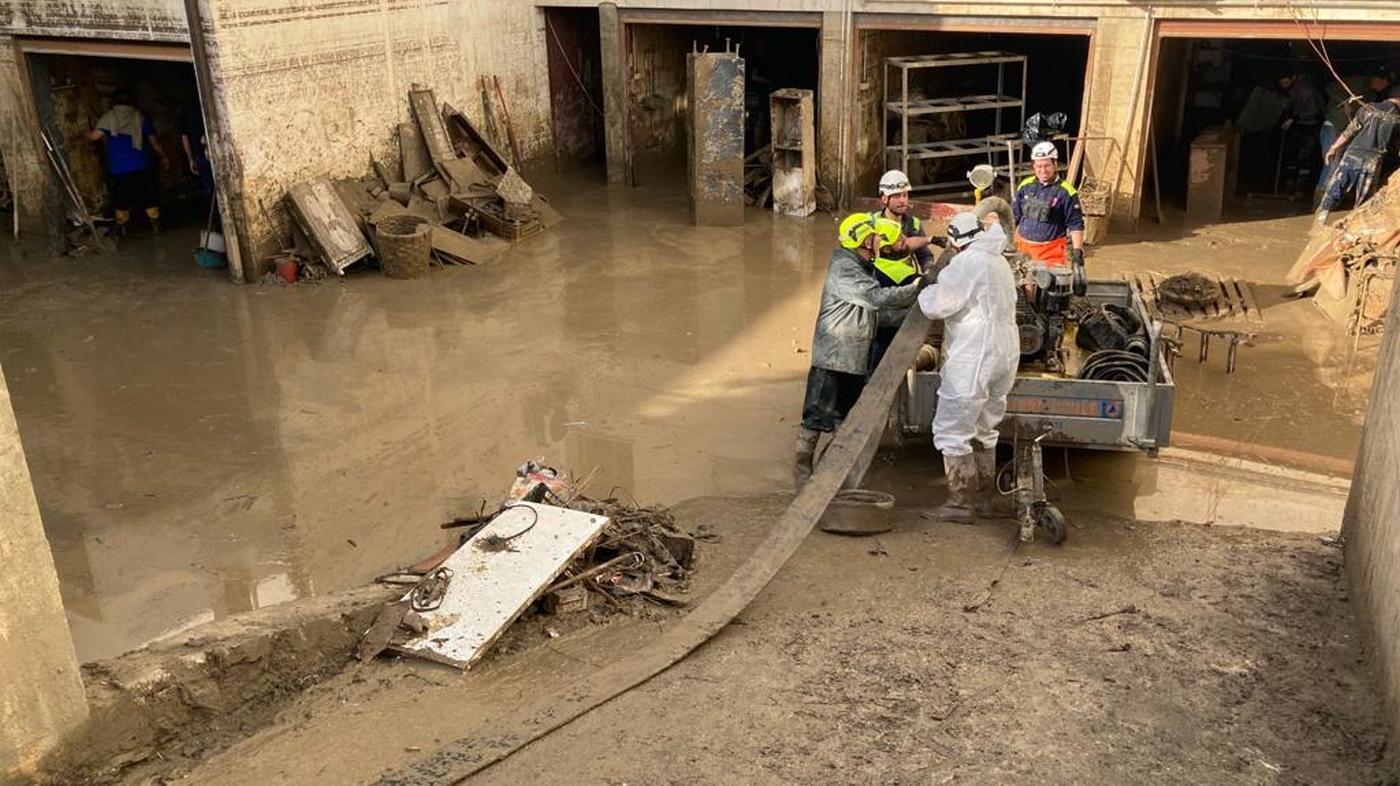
(201, 449)
(1157, 653)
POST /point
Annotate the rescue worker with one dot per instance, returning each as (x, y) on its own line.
(130, 138)
(897, 268)
(1341, 108)
(1366, 140)
(852, 305)
(975, 296)
(1049, 221)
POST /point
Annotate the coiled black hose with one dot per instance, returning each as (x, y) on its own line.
(1115, 365)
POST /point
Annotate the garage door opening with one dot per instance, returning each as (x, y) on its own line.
(1224, 146)
(132, 182)
(576, 85)
(775, 58)
(968, 94)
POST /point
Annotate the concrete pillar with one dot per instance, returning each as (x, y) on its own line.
(614, 94)
(41, 692)
(835, 108)
(715, 100)
(1117, 98)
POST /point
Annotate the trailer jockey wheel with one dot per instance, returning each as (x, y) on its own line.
(1052, 521)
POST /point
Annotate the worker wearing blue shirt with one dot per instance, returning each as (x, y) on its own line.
(1049, 220)
(130, 139)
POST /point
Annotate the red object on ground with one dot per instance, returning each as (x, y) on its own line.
(287, 269)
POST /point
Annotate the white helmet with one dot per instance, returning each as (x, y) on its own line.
(1044, 150)
(893, 182)
(962, 228)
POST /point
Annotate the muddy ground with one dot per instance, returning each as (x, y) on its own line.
(1157, 653)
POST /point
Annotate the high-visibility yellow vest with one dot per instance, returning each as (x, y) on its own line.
(898, 269)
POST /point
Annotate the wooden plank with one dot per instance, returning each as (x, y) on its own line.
(496, 575)
(1232, 295)
(467, 249)
(472, 143)
(536, 716)
(412, 153)
(435, 139)
(1251, 305)
(334, 232)
(1149, 295)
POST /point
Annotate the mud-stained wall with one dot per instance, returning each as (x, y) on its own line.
(318, 88)
(41, 693)
(17, 142)
(1371, 524)
(150, 20)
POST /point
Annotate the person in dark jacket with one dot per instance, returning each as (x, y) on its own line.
(853, 306)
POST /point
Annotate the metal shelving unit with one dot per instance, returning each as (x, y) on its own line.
(988, 148)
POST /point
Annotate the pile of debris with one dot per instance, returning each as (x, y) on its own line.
(451, 198)
(547, 550)
(1352, 265)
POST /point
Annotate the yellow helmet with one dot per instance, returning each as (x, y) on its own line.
(856, 227)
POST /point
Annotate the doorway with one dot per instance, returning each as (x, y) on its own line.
(76, 87)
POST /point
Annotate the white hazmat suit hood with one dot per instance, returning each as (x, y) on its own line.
(975, 296)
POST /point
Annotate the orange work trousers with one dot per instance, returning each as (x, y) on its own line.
(1052, 252)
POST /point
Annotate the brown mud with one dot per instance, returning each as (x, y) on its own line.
(1160, 653)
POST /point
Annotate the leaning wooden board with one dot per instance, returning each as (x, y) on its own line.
(333, 230)
(535, 719)
(497, 575)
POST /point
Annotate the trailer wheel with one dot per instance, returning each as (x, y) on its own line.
(1053, 522)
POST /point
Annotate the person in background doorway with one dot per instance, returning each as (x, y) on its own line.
(130, 138)
(1339, 111)
(1363, 145)
(851, 307)
(1049, 220)
(1303, 110)
(196, 149)
(975, 296)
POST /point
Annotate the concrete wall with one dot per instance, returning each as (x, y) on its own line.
(41, 692)
(1371, 525)
(316, 89)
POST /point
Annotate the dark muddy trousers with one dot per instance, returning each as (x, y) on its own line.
(1354, 173)
(830, 396)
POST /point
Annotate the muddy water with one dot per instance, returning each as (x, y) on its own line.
(1301, 386)
(201, 449)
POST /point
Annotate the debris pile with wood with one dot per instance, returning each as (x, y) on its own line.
(1352, 265)
(449, 199)
(548, 551)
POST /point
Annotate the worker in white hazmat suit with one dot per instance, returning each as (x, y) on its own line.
(975, 296)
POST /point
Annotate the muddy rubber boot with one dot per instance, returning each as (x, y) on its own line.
(962, 480)
(806, 451)
(986, 462)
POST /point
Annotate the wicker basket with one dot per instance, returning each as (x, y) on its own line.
(405, 246)
(1093, 197)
